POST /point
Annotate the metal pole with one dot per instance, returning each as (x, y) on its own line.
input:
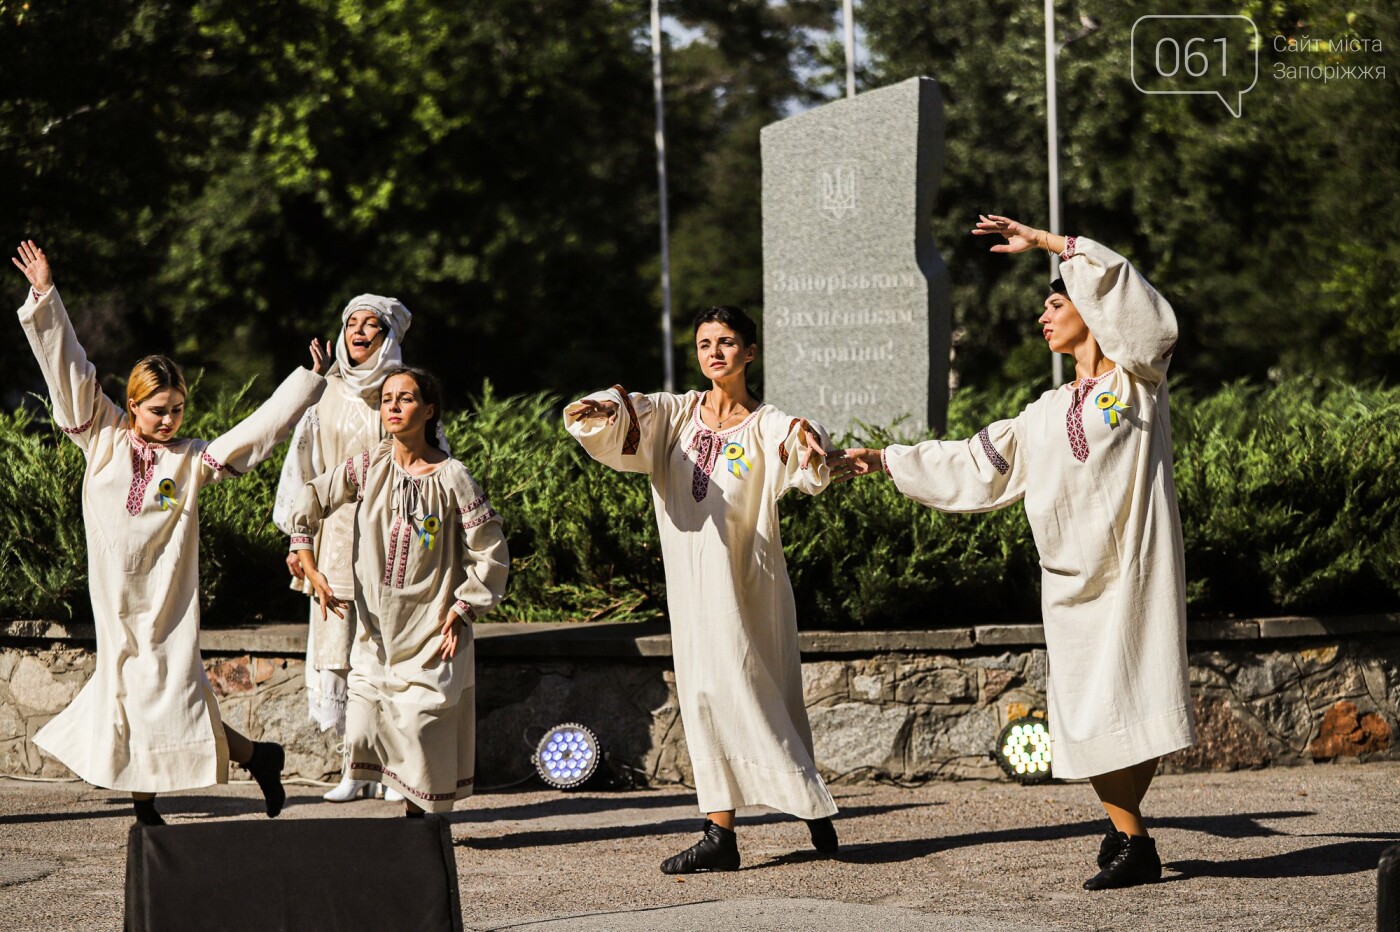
(669, 370)
(850, 17)
(1052, 134)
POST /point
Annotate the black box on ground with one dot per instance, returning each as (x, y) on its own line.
(297, 875)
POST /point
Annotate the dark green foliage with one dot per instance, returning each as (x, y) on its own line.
(1290, 500)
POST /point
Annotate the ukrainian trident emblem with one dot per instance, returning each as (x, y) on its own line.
(836, 190)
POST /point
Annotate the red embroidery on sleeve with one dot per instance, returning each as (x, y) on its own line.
(634, 429)
(78, 430)
(782, 448)
(1069, 253)
(996, 458)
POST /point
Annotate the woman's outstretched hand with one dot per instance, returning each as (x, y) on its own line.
(1018, 236)
(320, 357)
(590, 408)
(857, 461)
(35, 266)
(324, 594)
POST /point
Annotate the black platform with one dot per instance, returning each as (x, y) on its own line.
(297, 875)
(1388, 891)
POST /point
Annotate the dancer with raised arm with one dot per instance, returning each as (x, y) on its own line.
(344, 422)
(719, 461)
(147, 721)
(1093, 462)
(430, 558)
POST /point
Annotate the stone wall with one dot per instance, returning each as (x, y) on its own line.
(907, 706)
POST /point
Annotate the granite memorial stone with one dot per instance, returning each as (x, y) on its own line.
(856, 309)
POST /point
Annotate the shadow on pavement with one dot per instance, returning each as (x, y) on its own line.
(567, 805)
(1344, 857)
(1242, 825)
(573, 836)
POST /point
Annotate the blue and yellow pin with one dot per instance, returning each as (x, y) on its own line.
(734, 453)
(1109, 404)
(427, 534)
(165, 494)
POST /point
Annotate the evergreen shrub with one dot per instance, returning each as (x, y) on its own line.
(1290, 503)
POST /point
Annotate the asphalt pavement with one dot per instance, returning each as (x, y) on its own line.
(1274, 850)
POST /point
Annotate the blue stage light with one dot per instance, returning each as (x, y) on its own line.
(567, 756)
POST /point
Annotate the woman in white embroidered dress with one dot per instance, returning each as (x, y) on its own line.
(1093, 462)
(147, 721)
(430, 558)
(719, 461)
(345, 421)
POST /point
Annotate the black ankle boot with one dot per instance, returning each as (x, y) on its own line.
(1110, 846)
(266, 767)
(146, 812)
(717, 850)
(823, 835)
(1136, 863)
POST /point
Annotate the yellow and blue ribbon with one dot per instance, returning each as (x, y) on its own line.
(427, 534)
(738, 463)
(165, 494)
(1109, 404)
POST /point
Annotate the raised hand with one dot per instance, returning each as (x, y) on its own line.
(589, 408)
(35, 265)
(1019, 237)
(858, 461)
(320, 357)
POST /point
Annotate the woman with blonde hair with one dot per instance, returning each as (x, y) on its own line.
(1093, 462)
(147, 721)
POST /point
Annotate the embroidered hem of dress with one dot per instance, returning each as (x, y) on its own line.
(429, 797)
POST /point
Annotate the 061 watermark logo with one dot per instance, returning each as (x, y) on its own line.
(1178, 54)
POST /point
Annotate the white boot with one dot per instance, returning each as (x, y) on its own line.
(347, 789)
(393, 795)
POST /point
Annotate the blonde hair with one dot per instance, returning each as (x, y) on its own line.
(151, 375)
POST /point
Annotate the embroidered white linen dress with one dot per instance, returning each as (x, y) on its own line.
(147, 720)
(1094, 465)
(342, 423)
(733, 619)
(426, 547)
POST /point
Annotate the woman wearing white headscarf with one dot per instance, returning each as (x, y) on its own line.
(1093, 462)
(345, 421)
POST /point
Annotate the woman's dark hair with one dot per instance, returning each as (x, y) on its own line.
(428, 390)
(732, 317)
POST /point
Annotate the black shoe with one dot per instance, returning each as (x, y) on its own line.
(146, 812)
(717, 850)
(1110, 846)
(823, 835)
(266, 767)
(1136, 863)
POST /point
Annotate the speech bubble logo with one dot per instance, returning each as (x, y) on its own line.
(1211, 54)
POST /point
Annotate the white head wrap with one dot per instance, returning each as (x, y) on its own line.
(368, 375)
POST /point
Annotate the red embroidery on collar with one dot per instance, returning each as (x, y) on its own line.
(1074, 419)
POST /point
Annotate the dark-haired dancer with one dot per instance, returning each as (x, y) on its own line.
(147, 722)
(1093, 461)
(345, 421)
(719, 461)
(430, 558)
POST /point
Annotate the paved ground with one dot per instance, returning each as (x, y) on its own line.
(1270, 850)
